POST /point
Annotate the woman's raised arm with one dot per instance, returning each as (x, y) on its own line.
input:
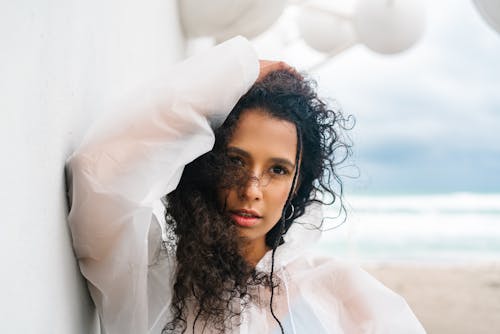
(131, 158)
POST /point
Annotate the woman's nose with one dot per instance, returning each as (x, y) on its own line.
(253, 188)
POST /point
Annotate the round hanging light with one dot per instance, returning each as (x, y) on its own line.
(324, 31)
(224, 19)
(490, 11)
(389, 26)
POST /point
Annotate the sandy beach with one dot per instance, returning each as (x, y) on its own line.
(450, 299)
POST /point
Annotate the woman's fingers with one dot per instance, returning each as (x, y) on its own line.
(268, 66)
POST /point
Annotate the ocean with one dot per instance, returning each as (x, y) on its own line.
(459, 228)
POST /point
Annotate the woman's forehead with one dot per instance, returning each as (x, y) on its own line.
(259, 133)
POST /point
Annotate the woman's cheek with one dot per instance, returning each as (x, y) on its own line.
(279, 198)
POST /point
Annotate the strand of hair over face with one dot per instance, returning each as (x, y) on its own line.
(282, 222)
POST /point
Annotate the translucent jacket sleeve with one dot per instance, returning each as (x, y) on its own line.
(134, 156)
(370, 307)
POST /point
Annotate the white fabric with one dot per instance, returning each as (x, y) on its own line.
(136, 154)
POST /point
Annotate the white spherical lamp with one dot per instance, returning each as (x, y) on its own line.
(324, 31)
(490, 11)
(389, 26)
(224, 19)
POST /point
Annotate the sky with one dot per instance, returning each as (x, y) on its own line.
(427, 119)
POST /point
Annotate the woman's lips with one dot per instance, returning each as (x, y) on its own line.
(245, 218)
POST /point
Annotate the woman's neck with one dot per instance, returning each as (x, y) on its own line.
(255, 251)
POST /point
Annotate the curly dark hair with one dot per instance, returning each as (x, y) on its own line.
(212, 277)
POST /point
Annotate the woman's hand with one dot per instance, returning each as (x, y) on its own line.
(268, 66)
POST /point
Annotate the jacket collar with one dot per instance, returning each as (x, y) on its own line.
(302, 235)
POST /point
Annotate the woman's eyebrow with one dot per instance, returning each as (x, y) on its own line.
(245, 154)
(283, 161)
(237, 150)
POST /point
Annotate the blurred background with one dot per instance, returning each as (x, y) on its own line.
(422, 189)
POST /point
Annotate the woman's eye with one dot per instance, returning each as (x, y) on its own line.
(278, 170)
(236, 161)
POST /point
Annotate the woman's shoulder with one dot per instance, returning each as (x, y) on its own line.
(344, 277)
(323, 263)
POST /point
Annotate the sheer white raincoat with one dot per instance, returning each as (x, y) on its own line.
(135, 155)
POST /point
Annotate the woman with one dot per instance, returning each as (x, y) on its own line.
(228, 257)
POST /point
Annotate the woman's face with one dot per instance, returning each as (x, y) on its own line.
(264, 148)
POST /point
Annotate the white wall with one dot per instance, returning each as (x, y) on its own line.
(59, 61)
